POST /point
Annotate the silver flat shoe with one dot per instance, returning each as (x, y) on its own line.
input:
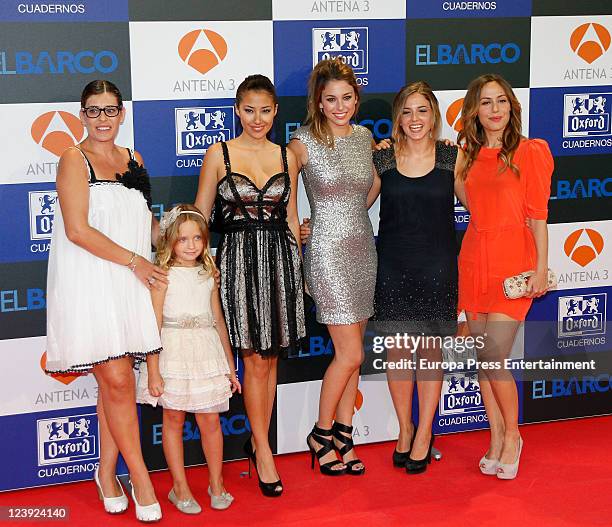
(189, 506)
(221, 502)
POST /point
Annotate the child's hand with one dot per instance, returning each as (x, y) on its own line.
(235, 383)
(156, 384)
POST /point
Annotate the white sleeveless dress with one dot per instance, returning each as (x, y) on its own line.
(192, 364)
(98, 310)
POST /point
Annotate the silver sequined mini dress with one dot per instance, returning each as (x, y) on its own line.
(340, 260)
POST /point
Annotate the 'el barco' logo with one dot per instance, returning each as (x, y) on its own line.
(56, 131)
(590, 41)
(583, 246)
(453, 115)
(202, 49)
(349, 44)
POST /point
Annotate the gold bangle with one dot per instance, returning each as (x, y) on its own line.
(131, 264)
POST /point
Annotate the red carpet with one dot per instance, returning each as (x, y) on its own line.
(565, 479)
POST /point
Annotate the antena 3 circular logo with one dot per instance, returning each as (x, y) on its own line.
(56, 131)
(453, 115)
(583, 246)
(202, 49)
(590, 41)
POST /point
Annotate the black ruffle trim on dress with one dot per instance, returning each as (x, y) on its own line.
(137, 177)
(84, 368)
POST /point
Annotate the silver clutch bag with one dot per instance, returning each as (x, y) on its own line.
(516, 286)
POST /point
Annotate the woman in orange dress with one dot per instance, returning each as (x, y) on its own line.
(507, 182)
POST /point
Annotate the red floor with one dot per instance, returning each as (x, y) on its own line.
(565, 479)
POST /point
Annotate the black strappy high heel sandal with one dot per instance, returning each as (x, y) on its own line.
(271, 490)
(400, 458)
(324, 438)
(339, 431)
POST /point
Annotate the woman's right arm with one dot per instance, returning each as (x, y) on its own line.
(300, 151)
(207, 184)
(73, 192)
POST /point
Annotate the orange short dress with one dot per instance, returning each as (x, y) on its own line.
(498, 243)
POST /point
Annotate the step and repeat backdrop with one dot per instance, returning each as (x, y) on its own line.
(178, 65)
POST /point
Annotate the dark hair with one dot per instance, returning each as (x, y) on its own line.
(100, 86)
(256, 83)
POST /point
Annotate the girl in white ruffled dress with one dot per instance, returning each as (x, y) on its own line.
(195, 371)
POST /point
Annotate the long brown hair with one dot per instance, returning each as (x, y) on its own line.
(165, 257)
(322, 73)
(473, 134)
(425, 90)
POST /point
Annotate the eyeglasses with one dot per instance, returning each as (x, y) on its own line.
(93, 111)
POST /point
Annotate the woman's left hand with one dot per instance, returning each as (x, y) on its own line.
(382, 145)
(236, 387)
(537, 284)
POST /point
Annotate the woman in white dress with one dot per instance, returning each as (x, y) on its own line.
(100, 316)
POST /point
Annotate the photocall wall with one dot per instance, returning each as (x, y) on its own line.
(178, 65)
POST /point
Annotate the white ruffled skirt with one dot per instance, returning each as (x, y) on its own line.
(194, 368)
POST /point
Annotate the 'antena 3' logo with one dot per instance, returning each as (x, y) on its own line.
(56, 131)
(199, 128)
(587, 114)
(350, 44)
(582, 315)
(453, 115)
(583, 246)
(590, 41)
(67, 439)
(202, 49)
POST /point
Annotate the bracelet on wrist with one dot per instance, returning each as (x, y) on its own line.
(132, 263)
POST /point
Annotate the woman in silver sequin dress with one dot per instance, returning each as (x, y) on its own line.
(255, 183)
(340, 262)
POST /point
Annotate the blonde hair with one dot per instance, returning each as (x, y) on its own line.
(473, 134)
(165, 257)
(324, 72)
(424, 89)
